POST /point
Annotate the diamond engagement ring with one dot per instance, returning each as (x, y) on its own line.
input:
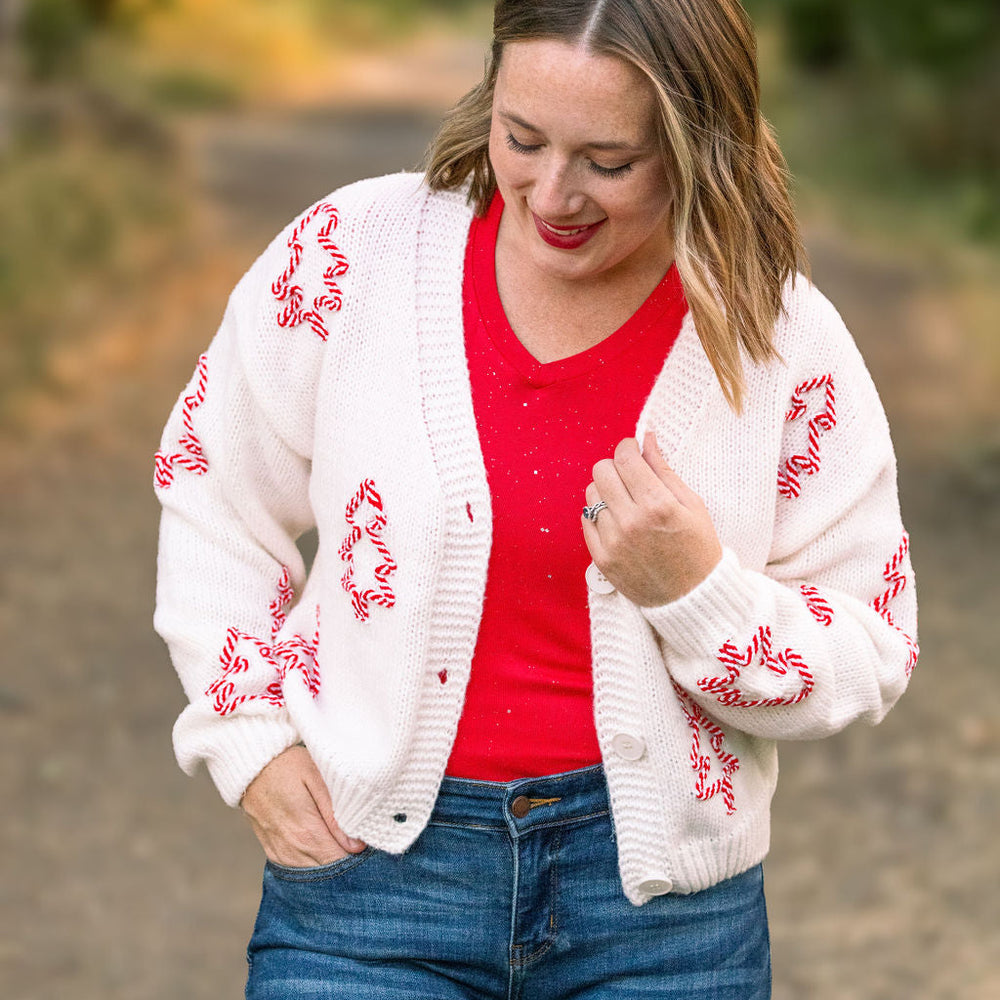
(590, 513)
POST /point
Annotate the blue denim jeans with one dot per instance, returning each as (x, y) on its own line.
(512, 891)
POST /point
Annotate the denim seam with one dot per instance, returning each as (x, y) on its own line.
(454, 825)
(568, 821)
(513, 985)
(552, 931)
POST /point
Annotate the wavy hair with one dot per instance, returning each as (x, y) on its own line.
(736, 239)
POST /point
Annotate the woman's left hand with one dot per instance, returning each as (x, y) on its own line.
(655, 540)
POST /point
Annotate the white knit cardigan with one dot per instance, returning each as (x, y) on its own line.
(336, 394)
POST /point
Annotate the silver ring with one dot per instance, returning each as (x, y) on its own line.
(590, 513)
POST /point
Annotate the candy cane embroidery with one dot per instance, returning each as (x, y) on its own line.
(253, 670)
(701, 764)
(284, 290)
(758, 652)
(248, 674)
(302, 655)
(281, 602)
(381, 593)
(191, 455)
(897, 584)
(789, 484)
(817, 605)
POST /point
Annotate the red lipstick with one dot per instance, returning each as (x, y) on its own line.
(565, 238)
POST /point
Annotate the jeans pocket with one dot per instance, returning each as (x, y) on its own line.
(320, 873)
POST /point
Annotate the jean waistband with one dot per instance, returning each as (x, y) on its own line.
(523, 804)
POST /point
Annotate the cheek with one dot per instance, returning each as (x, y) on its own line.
(647, 206)
(509, 168)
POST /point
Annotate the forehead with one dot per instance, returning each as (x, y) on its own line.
(557, 85)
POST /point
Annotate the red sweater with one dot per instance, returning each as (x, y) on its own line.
(542, 427)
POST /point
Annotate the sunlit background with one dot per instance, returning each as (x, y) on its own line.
(149, 149)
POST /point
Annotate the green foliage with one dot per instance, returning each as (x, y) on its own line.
(910, 87)
(189, 89)
(100, 11)
(52, 33)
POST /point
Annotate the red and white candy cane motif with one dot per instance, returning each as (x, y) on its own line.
(248, 674)
(897, 584)
(817, 605)
(381, 593)
(701, 764)
(789, 484)
(759, 652)
(191, 455)
(299, 654)
(284, 290)
(281, 602)
(253, 670)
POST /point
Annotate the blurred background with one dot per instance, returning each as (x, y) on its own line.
(149, 149)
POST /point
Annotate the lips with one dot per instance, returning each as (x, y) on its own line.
(565, 238)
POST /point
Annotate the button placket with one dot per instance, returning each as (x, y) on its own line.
(628, 747)
(597, 581)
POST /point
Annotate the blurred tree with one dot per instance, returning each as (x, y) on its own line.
(100, 11)
(819, 32)
(51, 33)
(919, 79)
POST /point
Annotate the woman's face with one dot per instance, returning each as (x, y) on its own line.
(574, 149)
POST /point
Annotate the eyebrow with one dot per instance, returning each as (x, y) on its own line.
(613, 147)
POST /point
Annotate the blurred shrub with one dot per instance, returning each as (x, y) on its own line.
(918, 88)
(82, 221)
(51, 33)
(187, 88)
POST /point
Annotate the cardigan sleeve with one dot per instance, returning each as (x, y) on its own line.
(825, 632)
(232, 475)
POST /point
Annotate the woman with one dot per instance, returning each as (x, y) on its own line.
(489, 747)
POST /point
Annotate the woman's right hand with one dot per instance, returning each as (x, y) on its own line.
(290, 811)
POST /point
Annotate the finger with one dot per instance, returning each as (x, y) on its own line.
(653, 457)
(605, 516)
(639, 478)
(591, 536)
(320, 795)
(610, 487)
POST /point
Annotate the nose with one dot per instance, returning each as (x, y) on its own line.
(556, 195)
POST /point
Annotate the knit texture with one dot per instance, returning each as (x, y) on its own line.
(336, 394)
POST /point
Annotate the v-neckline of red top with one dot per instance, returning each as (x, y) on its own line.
(665, 295)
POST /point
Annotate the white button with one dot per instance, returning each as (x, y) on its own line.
(656, 886)
(598, 582)
(628, 747)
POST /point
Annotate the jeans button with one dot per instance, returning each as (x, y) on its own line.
(520, 807)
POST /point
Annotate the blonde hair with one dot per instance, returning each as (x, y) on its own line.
(736, 239)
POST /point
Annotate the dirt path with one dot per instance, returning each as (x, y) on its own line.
(124, 879)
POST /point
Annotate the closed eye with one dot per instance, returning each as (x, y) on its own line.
(519, 147)
(609, 171)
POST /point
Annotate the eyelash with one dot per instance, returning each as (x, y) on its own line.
(609, 172)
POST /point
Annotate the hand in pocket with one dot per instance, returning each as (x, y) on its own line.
(291, 814)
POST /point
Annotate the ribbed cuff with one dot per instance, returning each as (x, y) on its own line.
(235, 750)
(720, 605)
